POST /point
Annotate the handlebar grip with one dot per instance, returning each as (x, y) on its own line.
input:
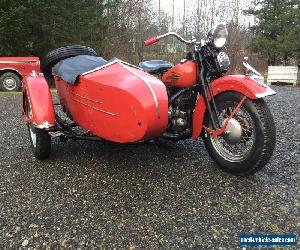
(151, 41)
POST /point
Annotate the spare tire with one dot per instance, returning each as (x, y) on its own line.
(62, 53)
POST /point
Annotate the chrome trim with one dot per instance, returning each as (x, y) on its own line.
(188, 42)
(44, 125)
(176, 35)
(98, 110)
(268, 92)
(122, 63)
(34, 74)
(86, 98)
(249, 68)
(17, 62)
(109, 64)
(260, 83)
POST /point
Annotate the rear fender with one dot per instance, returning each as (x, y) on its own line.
(238, 83)
(38, 106)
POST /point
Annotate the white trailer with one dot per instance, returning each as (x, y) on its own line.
(285, 74)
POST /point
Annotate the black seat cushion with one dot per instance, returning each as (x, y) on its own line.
(154, 66)
(70, 69)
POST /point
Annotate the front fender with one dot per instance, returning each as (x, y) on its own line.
(238, 83)
(37, 95)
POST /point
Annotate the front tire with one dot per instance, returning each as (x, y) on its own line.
(250, 143)
(40, 142)
(10, 82)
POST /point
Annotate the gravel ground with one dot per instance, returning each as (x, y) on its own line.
(143, 196)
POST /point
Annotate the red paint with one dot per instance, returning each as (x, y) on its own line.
(116, 104)
(237, 83)
(21, 65)
(182, 75)
(40, 98)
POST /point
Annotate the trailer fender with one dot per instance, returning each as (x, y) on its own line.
(238, 83)
(38, 106)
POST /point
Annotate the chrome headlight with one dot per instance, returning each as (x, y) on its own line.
(224, 62)
(218, 36)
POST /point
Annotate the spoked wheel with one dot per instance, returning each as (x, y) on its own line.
(249, 138)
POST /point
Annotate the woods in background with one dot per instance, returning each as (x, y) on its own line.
(277, 32)
(119, 27)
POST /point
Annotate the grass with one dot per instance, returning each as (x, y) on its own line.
(53, 90)
(10, 93)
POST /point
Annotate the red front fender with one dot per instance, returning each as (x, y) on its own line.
(37, 95)
(238, 83)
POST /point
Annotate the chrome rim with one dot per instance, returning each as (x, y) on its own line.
(10, 83)
(239, 136)
(33, 137)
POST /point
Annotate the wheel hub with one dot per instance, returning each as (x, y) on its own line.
(10, 83)
(233, 132)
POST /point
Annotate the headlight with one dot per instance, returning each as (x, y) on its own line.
(224, 62)
(219, 36)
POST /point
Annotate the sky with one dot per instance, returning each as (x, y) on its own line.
(166, 6)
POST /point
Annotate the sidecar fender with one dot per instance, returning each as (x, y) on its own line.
(238, 83)
(38, 106)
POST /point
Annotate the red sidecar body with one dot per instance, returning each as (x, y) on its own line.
(117, 102)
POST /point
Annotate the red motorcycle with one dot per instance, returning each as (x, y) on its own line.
(119, 102)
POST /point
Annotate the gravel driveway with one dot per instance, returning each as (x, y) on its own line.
(165, 195)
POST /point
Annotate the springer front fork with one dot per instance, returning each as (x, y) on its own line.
(218, 128)
(206, 91)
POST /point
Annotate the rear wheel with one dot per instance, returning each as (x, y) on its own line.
(10, 82)
(249, 139)
(40, 142)
(62, 53)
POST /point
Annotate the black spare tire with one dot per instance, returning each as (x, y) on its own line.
(62, 53)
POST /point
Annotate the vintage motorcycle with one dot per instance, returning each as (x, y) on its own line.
(119, 102)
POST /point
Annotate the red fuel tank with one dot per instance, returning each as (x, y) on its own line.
(182, 75)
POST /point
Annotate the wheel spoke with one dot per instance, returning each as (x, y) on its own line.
(235, 151)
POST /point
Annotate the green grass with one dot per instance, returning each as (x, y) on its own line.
(10, 93)
(53, 90)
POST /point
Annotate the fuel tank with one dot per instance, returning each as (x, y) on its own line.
(182, 75)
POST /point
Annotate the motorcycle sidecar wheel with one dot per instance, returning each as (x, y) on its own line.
(40, 142)
(62, 53)
(251, 137)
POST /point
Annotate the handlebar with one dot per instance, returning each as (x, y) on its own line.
(156, 39)
(151, 41)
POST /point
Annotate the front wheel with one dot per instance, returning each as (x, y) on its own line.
(249, 138)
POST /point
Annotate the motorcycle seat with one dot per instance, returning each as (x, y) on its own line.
(155, 66)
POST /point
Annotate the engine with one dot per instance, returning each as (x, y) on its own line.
(180, 112)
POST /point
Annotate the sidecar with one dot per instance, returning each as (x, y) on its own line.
(107, 100)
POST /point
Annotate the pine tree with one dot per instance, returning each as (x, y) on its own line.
(276, 35)
(33, 27)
